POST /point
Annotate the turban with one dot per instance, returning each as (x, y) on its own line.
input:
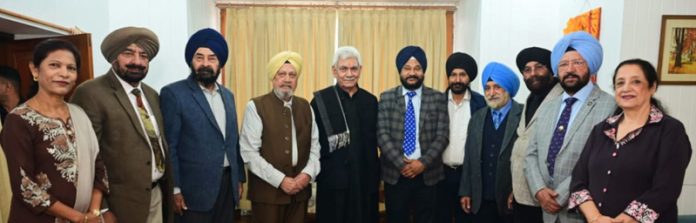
(411, 51)
(586, 45)
(119, 39)
(541, 55)
(501, 75)
(463, 61)
(279, 59)
(208, 38)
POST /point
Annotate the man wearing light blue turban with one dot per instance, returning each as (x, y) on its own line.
(486, 184)
(558, 138)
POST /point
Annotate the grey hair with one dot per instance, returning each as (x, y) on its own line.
(346, 52)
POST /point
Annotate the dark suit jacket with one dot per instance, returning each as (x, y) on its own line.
(477, 100)
(196, 145)
(433, 133)
(471, 184)
(124, 147)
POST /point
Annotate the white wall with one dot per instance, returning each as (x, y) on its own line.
(172, 24)
(641, 29)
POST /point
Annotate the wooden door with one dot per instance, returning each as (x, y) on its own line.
(18, 54)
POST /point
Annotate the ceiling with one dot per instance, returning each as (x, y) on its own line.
(19, 26)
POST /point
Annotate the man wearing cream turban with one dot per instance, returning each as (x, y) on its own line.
(201, 123)
(412, 133)
(126, 117)
(557, 140)
(486, 184)
(280, 142)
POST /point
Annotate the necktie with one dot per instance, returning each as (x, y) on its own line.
(150, 130)
(559, 134)
(497, 118)
(410, 126)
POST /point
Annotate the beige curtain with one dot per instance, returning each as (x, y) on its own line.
(380, 34)
(255, 34)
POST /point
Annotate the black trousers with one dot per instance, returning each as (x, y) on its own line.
(526, 214)
(488, 213)
(448, 207)
(338, 206)
(410, 199)
(223, 209)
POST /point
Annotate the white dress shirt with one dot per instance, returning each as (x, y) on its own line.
(582, 96)
(416, 100)
(156, 174)
(459, 115)
(214, 99)
(250, 143)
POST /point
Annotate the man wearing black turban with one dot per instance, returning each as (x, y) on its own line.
(461, 103)
(412, 132)
(201, 123)
(126, 117)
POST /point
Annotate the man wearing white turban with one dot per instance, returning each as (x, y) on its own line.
(280, 142)
(556, 142)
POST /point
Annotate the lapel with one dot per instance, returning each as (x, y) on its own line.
(513, 119)
(477, 120)
(123, 99)
(555, 92)
(200, 99)
(423, 113)
(230, 119)
(580, 117)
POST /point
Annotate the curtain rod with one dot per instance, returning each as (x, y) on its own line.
(337, 5)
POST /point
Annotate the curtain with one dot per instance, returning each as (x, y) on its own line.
(379, 35)
(255, 34)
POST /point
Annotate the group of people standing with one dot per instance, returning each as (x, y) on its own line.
(119, 151)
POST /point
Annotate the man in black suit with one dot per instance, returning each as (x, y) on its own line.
(486, 186)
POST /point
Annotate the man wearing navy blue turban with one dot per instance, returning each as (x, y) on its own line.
(486, 183)
(557, 139)
(412, 132)
(201, 130)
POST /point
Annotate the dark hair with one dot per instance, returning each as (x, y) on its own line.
(11, 75)
(42, 49)
(650, 74)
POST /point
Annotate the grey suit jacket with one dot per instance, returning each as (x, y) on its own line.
(433, 125)
(471, 183)
(519, 152)
(599, 106)
(124, 147)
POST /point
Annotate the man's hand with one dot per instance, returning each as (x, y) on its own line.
(289, 186)
(546, 198)
(509, 201)
(412, 169)
(241, 190)
(179, 204)
(624, 218)
(466, 204)
(109, 217)
(302, 180)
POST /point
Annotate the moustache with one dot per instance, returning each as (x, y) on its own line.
(571, 75)
(135, 67)
(205, 70)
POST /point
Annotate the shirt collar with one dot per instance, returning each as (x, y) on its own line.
(655, 116)
(505, 109)
(467, 96)
(418, 91)
(215, 89)
(582, 94)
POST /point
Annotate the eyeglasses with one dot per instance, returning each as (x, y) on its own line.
(576, 63)
(530, 69)
(354, 69)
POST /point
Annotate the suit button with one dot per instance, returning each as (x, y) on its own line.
(147, 189)
(147, 163)
(287, 151)
(608, 172)
(287, 138)
(599, 204)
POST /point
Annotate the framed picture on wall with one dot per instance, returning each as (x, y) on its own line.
(677, 60)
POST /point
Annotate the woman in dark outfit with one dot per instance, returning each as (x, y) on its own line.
(52, 151)
(633, 165)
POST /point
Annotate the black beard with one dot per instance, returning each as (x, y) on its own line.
(414, 86)
(579, 85)
(132, 76)
(458, 88)
(206, 75)
(543, 83)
